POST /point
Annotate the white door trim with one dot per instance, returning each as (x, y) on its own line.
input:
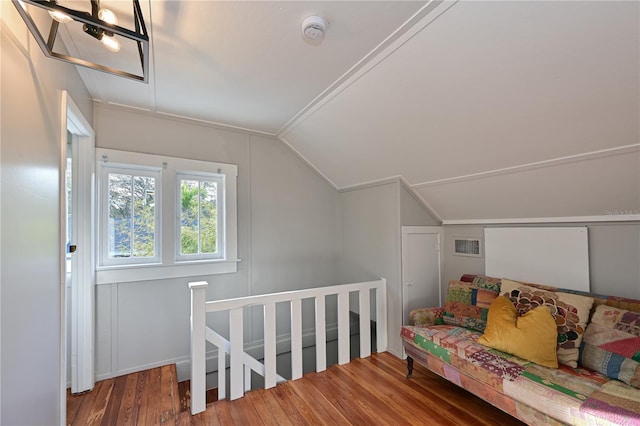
(82, 295)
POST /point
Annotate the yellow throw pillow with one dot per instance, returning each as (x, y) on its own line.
(533, 336)
(570, 312)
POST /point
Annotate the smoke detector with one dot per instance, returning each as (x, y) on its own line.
(313, 28)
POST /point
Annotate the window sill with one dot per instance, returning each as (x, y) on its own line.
(124, 274)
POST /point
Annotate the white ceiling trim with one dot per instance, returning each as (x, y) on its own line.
(217, 124)
(191, 120)
(307, 162)
(409, 29)
(421, 200)
(536, 165)
(566, 219)
(153, 95)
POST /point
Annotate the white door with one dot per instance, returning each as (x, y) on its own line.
(420, 268)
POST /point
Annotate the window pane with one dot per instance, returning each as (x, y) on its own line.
(198, 217)
(189, 217)
(208, 217)
(144, 216)
(119, 215)
(131, 216)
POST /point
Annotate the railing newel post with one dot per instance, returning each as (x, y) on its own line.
(198, 346)
(381, 316)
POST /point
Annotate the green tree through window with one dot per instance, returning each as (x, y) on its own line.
(198, 216)
(132, 215)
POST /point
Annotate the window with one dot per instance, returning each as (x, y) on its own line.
(131, 214)
(200, 216)
(164, 217)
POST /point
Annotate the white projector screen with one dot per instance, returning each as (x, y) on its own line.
(557, 257)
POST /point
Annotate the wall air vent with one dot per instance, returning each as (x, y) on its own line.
(463, 246)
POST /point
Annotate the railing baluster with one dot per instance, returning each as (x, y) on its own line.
(247, 378)
(296, 339)
(269, 345)
(321, 334)
(381, 317)
(237, 350)
(222, 374)
(198, 347)
(343, 328)
(365, 323)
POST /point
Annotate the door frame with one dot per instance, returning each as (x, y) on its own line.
(82, 296)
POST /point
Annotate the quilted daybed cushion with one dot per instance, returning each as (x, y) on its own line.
(567, 394)
(467, 304)
(612, 344)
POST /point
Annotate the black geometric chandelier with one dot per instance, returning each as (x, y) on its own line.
(101, 25)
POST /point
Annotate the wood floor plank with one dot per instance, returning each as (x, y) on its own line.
(375, 398)
(100, 403)
(169, 403)
(357, 410)
(287, 404)
(185, 418)
(74, 402)
(128, 414)
(265, 403)
(210, 416)
(320, 406)
(113, 408)
(224, 414)
(392, 393)
(307, 409)
(438, 404)
(82, 416)
(152, 405)
(142, 397)
(184, 392)
(249, 414)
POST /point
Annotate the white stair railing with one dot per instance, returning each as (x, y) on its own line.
(241, 364)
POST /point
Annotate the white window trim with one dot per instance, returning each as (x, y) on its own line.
(147, 171)
(219, 178)
(169, 267)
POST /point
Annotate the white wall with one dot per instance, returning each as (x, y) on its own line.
(371, 218)
(614, 250)
(30, 250)
(412, 212)
(371, 246)
(288, 238)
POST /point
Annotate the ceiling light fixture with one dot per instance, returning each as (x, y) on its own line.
(101, 24)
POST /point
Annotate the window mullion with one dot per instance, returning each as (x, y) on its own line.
(199, 227)
(131, 245)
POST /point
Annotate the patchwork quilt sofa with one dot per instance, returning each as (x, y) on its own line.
(598, 350)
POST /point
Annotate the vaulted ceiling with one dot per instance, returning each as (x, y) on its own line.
(488, 110)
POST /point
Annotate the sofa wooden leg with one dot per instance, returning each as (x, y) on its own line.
(409, 367)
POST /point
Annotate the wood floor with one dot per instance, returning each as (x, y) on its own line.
(372, 391)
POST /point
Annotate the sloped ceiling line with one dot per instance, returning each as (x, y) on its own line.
(421, 200)
(409, 29)
(308, 163)
(538, 164)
